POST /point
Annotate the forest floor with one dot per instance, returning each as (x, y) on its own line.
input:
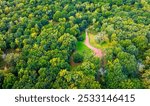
(98, 52)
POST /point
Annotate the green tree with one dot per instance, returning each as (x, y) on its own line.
(131, 84)
(147, 62)
(57, 15)
(141, 42)
(9, 80)
(77, 57)
(128, 62)
(45, 78)
(132, 50)
(88, 68)
(74, 30)
(2, 42)
(67, 42)
(146, 78)
(75, 80)
(26, 79)
(114, 74)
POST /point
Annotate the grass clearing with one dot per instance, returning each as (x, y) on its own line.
(82, 48)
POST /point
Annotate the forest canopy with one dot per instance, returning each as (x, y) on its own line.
(42, 44)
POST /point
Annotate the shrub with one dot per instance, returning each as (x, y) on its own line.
(77, 57)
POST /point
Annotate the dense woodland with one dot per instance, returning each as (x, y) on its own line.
(39, 39)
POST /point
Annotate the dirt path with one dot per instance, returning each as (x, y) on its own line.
(97, 51)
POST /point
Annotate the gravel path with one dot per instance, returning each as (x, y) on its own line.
(97, 51)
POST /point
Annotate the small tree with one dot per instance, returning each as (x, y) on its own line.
(77, 57)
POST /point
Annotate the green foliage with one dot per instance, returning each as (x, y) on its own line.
(114, 75)
(2, 42)
(77, 57)
(27, 79)
(88, 68)
(9, 81)
(146, 78)
(83, 49)
(67, 42)
(131, 84)
(75, 80)
(57, 15)
(132, 50)
(1, 79)
(40, 36)
(128, 62)
(141, 42)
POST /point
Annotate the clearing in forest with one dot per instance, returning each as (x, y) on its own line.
(97, 51)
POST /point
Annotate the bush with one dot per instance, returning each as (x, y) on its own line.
(77, 57)
(80, 38)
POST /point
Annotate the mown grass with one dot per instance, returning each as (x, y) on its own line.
(82, 48)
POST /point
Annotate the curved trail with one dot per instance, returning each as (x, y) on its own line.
(97, 51)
